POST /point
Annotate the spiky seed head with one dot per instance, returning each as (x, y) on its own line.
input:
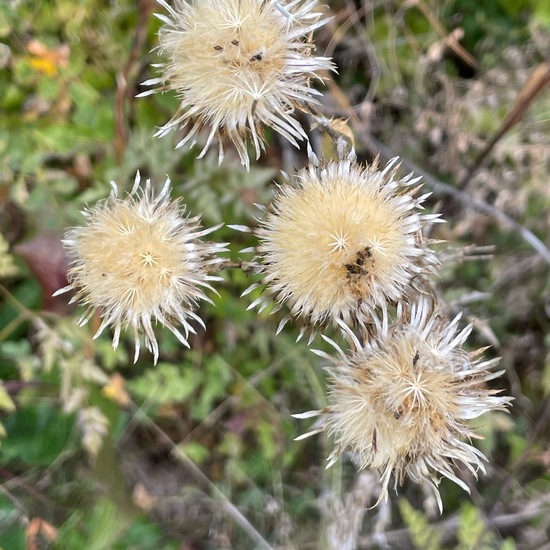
(138, 261)
(341, 240)
(400, 403)
(237, 65)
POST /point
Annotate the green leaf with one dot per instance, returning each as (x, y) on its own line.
(11, 526)
(144, 535)
(268, 439)
(217, 378)
(166, 384)
(472, 533)
(97, 530)
(195, 451)
(423, 535)
(542, 13)
(37, 435)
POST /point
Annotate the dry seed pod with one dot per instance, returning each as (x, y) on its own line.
(400, 403)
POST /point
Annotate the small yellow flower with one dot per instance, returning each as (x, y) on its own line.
(139, 261)
(400, 403)
(341, 240)
(237, 65)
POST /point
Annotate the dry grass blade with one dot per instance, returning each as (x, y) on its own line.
(532, 88)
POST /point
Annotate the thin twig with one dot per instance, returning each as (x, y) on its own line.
(451, 42)
(14, 480)
(436, 185)
(466, 199)
(539, 79)
(144, 9)
(225, 264)
(203, 479)
(539, 429)
(449, 527)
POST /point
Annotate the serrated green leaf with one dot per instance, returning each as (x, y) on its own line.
(423, 535)
(472, 532)
(166, 383)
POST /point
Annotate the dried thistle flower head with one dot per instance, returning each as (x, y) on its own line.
(139, 261)
(341, 240)
(400, 403)
(237, 65)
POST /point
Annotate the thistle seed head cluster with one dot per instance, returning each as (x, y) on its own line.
(238, 65)
(341, 240)
(400, 402)
(138, 261)
(340, 243)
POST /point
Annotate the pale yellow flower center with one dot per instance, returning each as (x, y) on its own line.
(331, 243)
(235, 58)
(127, 251)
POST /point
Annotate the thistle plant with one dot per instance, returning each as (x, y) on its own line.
(237, 65)
(341, 244)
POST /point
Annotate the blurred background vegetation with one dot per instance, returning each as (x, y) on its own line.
(198, 452)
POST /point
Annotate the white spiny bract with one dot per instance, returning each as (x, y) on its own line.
(341, 240)
(140, 261)
(401, 402)
(237, 65)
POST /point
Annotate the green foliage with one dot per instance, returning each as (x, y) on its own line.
(166, 384)
(195, 451)
(7, 266)
(541, 12)
(473, 533)
(103, 527)
(424, 536)
(100, 530)
(37, 435)
(143, 535)
(497, 21)
(399, 66)
(72, 409)
(6, 402)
